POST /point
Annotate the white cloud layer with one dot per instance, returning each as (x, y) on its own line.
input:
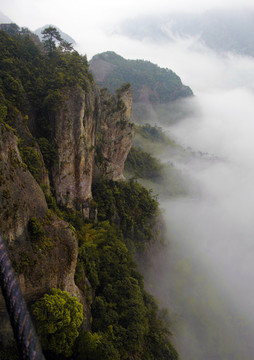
(207, 279)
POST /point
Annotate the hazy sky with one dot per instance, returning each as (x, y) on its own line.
(90, 22)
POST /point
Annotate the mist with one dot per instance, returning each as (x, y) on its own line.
(210, 232)
(206, 277)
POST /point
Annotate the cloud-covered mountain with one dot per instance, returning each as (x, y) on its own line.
(64, 36)
(150, 83)
(224, 30)
(4, 19)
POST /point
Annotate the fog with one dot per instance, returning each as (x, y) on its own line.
(206, 277)
(208, 274)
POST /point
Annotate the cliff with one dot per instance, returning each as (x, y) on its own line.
(94, 134)
(90, 136)
(43, 259)
(116, 134)
(80, 125)
(75, 132)
(67, 221)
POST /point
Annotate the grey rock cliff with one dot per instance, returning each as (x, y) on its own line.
(75, 125)
(115, 134)
(41, 263)
(94, 133)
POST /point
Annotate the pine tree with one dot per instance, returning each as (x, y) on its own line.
(50, 35)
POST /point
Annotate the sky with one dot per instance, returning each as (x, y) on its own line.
(90, 23)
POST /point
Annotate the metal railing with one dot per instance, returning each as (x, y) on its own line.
(24, 332)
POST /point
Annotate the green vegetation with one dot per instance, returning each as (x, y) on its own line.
(152, 133)
(48, 151)
(151, 143)
(33, 84)
(143, 165)
(118, 309)
(124, 87)
(32, 78)
(165, 85)
(25, 262)
(50, 35)
(125, 320)
(131, 206)
(154, 140)
(58, 318)
(38, 236)
(32, 158)
(35, 229)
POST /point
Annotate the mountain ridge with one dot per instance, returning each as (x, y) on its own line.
(149, 82)
(223, 30)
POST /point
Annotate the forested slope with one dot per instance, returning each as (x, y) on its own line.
(69, 219)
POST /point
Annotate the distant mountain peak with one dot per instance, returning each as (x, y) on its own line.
(64, 36)
(149, 82)
(223, 30)
(5, 19)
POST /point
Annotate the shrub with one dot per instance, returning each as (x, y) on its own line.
(58, 317)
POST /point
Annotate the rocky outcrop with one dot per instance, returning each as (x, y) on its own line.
(75, 131)
(30, 149)
(64, 133)
(43, 261)
(94, 133)
(21, 196)
(115, 134)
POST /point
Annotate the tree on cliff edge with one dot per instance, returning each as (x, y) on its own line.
(50, 35)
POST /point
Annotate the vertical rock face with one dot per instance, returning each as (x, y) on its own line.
(75, 138)
(42, 262)
(115, 134)
(30, 147)
(94, 134)
(21, 196)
